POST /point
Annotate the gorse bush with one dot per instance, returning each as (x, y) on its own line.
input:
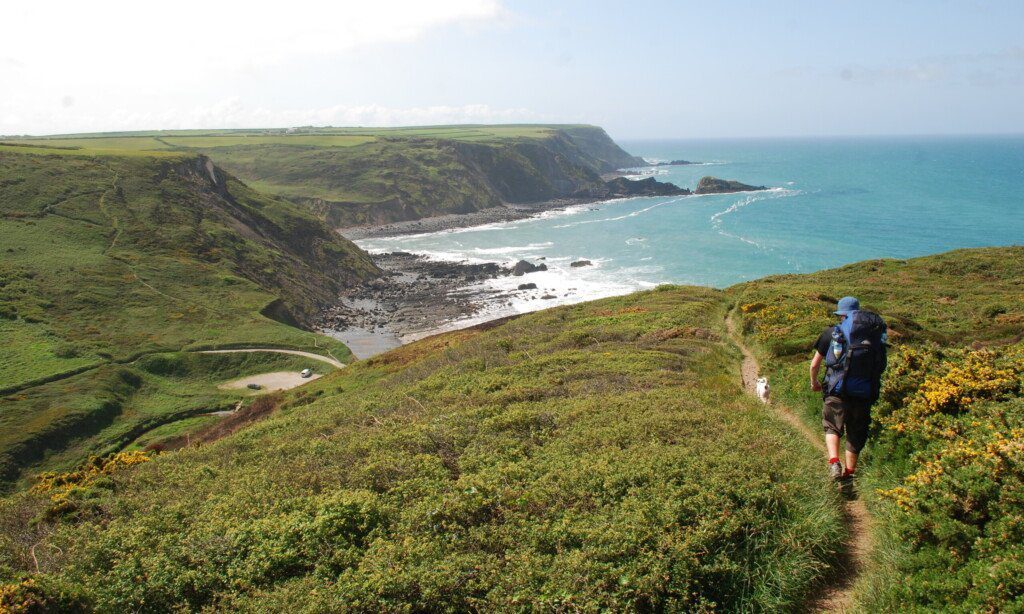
(944, 385)
(40, 595)
(961, 508)
(68, 492)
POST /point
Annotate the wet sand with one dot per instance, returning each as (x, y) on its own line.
(365, 343)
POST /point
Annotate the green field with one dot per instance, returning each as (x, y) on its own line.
(124, 143)
(115, 405)
(108, 259)
(324, 140)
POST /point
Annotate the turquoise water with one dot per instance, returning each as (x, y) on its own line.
(831, 202)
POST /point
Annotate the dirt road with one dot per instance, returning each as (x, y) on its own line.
(329, 360)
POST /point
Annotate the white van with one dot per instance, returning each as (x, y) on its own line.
(306, 372)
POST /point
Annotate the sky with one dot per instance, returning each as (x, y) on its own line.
(639, 69)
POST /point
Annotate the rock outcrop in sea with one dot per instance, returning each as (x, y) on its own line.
(675, 163)
(714, 185)
(622, 187)
(523, 267)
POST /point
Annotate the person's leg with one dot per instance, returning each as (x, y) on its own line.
(851, 459)
(832, 421)
(858, 420)
(832, 445)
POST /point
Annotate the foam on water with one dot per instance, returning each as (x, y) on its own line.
(716, 220)
(622, 217)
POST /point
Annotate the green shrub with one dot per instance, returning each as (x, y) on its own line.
(67, 350)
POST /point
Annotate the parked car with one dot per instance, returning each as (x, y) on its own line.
(253, 386)
(306, 372)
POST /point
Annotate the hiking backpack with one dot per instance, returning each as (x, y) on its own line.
(856, 357)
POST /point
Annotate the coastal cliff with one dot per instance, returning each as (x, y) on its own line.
(409, 177)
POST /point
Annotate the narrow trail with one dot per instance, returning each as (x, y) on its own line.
(835, 594)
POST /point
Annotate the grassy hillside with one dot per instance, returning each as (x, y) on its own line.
(358, 175)
(945, 471)
(106, 259)
(600, 456)
(596, 456)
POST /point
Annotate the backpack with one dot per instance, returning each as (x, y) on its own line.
(856, 357)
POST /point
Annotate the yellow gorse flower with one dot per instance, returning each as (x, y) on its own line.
(61, 486)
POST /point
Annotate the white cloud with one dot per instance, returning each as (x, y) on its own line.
(107, 36)
(138, 56)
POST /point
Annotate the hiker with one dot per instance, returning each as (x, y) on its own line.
(854, 353)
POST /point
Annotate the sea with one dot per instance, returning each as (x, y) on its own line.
(828, 202)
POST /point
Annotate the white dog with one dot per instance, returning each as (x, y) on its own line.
(763, 390)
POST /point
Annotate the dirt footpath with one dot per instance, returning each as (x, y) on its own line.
(836, 592)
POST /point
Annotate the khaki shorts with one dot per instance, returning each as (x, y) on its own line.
(850, 415)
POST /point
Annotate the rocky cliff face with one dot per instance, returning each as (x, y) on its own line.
(595, 144)
(274, 243)
(567, 164)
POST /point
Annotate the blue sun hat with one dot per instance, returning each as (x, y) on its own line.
(846, 305)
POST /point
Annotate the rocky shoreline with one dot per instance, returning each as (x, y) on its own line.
(617, 187)
(415, 298)
(452, 221)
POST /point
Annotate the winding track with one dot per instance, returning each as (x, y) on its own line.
(836, 593)
(329, 360)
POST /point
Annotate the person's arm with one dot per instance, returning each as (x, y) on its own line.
(815, 366)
